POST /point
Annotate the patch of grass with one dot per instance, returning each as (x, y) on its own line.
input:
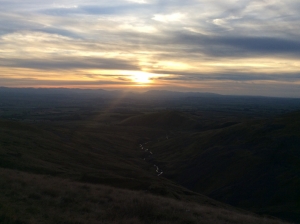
(45, 199)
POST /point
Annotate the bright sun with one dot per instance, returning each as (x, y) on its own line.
(139, 77)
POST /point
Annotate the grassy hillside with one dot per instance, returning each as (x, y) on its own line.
(253, 164)
(30, 198)
(81, 151)
(64, 172)
(162, 120)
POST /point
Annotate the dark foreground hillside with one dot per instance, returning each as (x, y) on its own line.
(253, 164)
(30, 198)
(78, 173)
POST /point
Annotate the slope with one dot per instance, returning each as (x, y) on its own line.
(165, 120)
(253, 165)
(30, 198)
(55, 173)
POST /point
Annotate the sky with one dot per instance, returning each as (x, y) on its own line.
(239, 47)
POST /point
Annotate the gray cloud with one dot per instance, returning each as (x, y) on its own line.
(12, 24)
(28, 81)
(65, 63)
(58, 31)
(234, 76)
(264, 45)
(234, 46)
(98, 9)
(119, 10)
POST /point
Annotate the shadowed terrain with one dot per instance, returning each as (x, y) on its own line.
(253, 164)
(120, 160)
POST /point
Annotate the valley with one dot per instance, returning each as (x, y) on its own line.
(169, 159)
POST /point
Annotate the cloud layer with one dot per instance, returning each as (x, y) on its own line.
(196, 45)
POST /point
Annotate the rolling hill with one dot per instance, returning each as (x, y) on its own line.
(167, 120)
(253, 164)
(86, 172)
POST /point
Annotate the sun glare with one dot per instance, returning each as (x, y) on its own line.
(139, 77)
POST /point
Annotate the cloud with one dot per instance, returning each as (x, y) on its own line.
(192, 40)
(234, 46)
(264, 45)
(23, 82)
(64, 63)
(234, 76)
(97, 9)
(139, 1)
(174, 17)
